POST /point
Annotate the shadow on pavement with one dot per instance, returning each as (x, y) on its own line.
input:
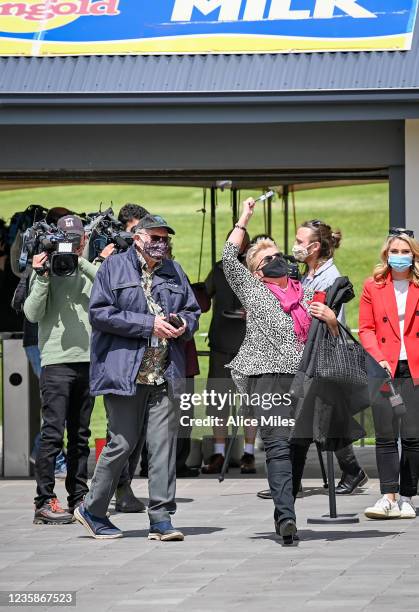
(187, 531)
(308, 535)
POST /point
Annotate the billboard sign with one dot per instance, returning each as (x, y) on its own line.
(79, 27)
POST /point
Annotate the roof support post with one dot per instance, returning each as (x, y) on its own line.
(397, 196)
(285, 195)
(412, 175)
(213, 227)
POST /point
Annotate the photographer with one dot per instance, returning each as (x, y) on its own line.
(130, 215)
(59, 304)
(142, 310)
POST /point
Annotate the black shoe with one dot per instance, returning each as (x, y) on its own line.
(277, 529)
(187, 472)
(287, 529)
(125, 500)
(51, 513)
(348, 483)
(265, 494)
(214, 465)
(247, 464)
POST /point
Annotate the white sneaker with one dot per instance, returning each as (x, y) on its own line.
(407, 508)
(383, 509)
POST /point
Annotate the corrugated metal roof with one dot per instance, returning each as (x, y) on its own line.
(394, 70)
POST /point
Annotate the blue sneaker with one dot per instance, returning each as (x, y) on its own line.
(99, 528)
(165, 532)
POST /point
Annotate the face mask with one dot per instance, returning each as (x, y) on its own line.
(156, 249)
(276, 268)
(400, 263)
(301, 253)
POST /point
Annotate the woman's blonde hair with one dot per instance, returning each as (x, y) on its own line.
(382, 270)
(252, 258)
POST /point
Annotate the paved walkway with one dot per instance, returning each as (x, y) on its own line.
(230, 559)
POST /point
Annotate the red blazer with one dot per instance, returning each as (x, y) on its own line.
(379, 330)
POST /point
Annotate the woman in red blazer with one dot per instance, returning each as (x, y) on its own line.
(389, 331)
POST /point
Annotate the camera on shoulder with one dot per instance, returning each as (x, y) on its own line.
(60, 246)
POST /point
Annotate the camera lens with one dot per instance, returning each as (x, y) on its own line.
(64, 264)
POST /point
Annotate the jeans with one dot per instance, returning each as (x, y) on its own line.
(277, 446)
(391, 467)
(128, 471)
(34, 357)
(150, 413)
(65, 400)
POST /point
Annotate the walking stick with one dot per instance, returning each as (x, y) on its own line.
(229, 448)
(322, 468)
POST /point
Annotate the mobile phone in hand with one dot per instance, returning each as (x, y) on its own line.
(175, 321)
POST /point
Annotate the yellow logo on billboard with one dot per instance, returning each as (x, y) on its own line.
(35, 16)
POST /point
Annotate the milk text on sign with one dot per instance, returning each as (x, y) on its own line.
(254, 10)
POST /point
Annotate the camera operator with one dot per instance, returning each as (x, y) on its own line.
(142, 310)
(131, 214)
(59, 304)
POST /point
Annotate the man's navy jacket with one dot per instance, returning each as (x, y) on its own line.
(122, 324)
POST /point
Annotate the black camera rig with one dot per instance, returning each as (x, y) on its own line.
(103, 228)
(59, 246)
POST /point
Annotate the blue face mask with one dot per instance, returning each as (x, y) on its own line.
(400, 263)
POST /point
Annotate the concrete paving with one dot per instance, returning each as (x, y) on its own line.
(230, 559)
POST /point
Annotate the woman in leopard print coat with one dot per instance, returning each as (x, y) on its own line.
(278, 315)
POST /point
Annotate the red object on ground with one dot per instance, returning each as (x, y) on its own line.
(100, 443)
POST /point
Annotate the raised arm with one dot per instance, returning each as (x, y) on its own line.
(237, 275)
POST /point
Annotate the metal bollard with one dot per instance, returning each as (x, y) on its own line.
(21, 407)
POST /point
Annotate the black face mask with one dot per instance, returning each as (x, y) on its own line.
(275, 268)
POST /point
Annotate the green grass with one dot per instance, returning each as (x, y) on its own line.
(360, 212)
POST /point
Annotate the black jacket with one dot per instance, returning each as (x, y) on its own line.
(323, 411)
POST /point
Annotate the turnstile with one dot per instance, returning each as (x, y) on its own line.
(21, 407)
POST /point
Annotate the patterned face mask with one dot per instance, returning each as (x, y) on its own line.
(156, 249)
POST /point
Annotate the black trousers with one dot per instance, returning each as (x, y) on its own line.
(66, 401)
(348, 463)
(275, 439)
(393, 469)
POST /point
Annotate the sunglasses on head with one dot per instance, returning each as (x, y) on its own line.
(268, 259)
(398, 231)
(316, 222)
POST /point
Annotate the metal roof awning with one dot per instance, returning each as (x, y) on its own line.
(215, 74)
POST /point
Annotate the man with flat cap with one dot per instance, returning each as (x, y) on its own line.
(142, 310)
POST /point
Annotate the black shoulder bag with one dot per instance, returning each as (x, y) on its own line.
(341, 361)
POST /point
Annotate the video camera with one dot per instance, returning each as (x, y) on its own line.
(59, 245)
(104, 228)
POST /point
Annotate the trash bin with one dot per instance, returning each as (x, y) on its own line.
(21, 407)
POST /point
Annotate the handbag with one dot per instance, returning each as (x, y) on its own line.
(341, 361)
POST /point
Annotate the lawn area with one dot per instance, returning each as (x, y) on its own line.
(360, 212)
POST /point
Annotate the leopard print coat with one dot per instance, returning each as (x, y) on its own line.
(270, 344)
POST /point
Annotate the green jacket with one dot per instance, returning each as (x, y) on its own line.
(60, 305)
